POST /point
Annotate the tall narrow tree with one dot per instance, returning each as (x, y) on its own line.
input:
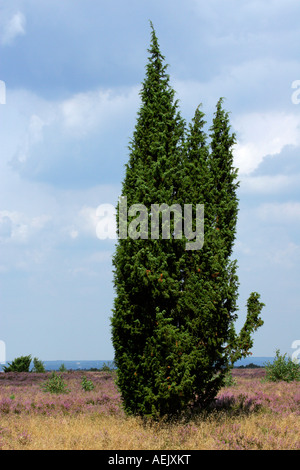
(222, 213)
(210, 282)
(147, 271)
(174, 310)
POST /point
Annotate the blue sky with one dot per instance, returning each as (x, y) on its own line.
(73, 72)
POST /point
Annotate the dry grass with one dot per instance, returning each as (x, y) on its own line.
(94, 428)
(112, 433)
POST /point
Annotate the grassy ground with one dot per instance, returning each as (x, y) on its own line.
(251, 414)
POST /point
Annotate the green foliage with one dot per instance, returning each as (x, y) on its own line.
(240, 344)
(87, 385)
(250, 366)
(62, 368)
(174, 311)
(229, 380)
(55, 384)
(282, 368)
(38, 366)
(20, 364)
(107, 367)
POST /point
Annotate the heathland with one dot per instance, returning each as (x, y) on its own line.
(86, 413)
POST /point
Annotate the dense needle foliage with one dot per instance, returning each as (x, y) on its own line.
(172, 323)
(282, 368)
(20, 364)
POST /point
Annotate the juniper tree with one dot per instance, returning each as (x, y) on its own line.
(20, 364)
(210, 284)
(147, 272)
(172, 322)
(222, 211)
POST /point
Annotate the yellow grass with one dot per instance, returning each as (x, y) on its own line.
(89, 432)
(251, 414)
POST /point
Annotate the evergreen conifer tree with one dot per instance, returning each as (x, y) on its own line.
(172, 323)
(147, 271)
(222, 210)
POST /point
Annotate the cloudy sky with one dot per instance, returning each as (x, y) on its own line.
(70, 78)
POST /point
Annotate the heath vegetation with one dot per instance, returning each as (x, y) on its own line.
(249, 412)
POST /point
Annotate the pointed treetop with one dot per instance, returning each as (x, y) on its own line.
(153, 34)
(154, 46)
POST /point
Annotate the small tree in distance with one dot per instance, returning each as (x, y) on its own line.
(38, 366)
(174, 310)
(282, 368)
(20, 364)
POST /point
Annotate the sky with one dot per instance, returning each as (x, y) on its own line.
(71, 72)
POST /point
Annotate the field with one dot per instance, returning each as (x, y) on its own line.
(250, 414)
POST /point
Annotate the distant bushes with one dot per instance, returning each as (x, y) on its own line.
(87, 385)
(107, 367)
(23, 363)
(55, 384)
(38, 366)
(282, 368)
(20, 364)
(249, 366)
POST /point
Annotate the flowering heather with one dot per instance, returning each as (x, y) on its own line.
(253, 393)
(250, 414)
(23, 393)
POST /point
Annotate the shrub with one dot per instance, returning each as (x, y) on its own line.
(55, 384)
(87, 385)
(20, 364)
(38, 366)
(282, 368)
(62, 368)
(229, 380)
(106, 367)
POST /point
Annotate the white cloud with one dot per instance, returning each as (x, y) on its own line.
(90, 264)
(86, 112)
(69, 137)
(5, 227)
(88, 220)
(33, 136)
(13, 28)
(285, 212)
(100, 257)
(268, 184)
(262, 134)
(242, 247)
(74, 234)
(287, 256)
(99, 222)
(19, 228)
(82, 271)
